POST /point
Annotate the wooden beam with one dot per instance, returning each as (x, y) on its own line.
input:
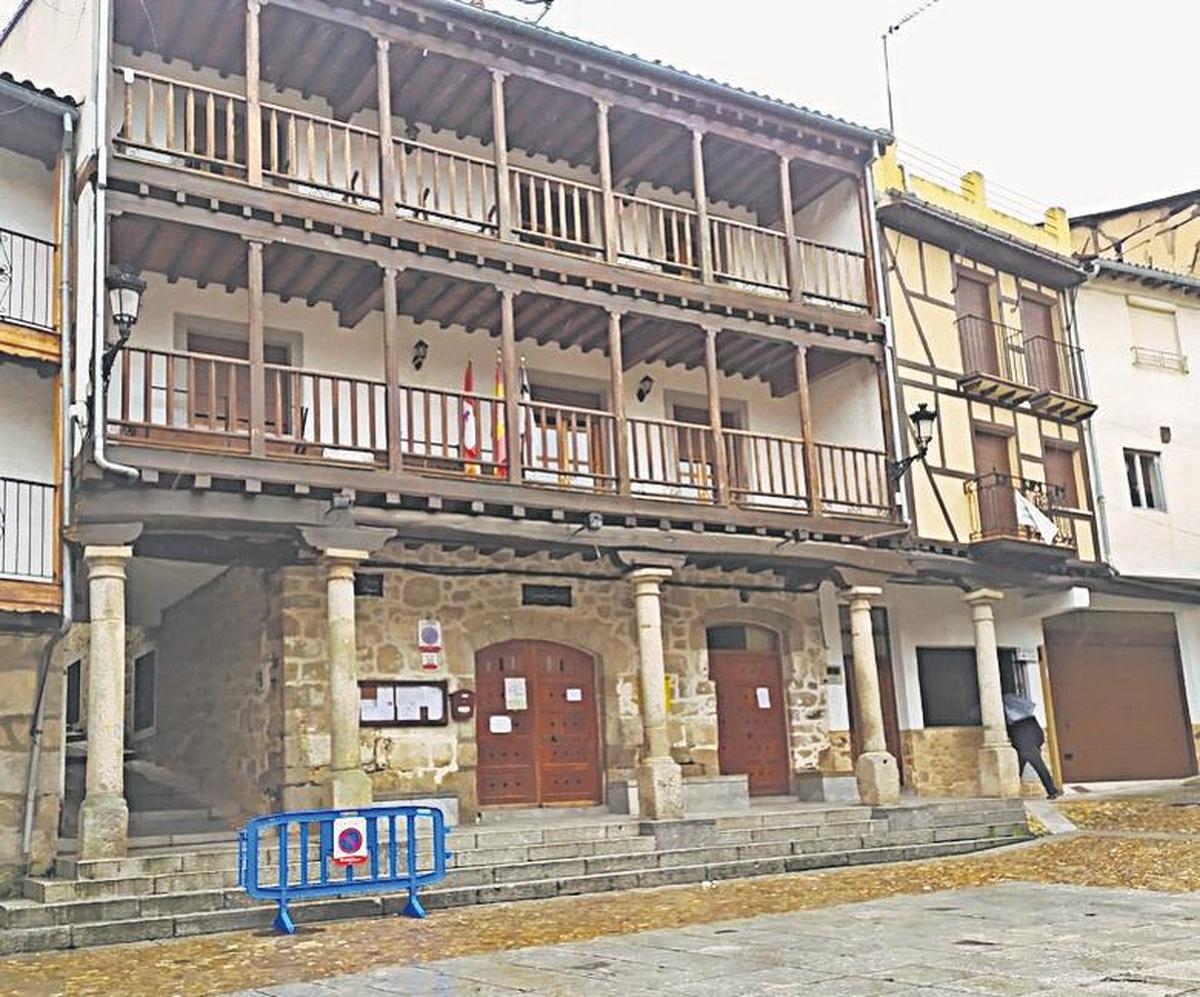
(359, 298)
(500, 140)
(607, 200)
(868, 237)
(616, 373)
(254, 164)
(391, 367)
(713, 384)
(811, 466)
(788, 211)
(512, 387)
(258, 395)
(389, 195)
(701, 192)
(664, 138)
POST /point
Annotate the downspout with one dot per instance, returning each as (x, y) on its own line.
(66, 245)
(1089, 430)
(100, 244)
(889, 347)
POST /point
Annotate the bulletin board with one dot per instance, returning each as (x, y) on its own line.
(403, 703)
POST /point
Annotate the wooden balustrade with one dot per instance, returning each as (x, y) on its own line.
(853, 480)
(749, 254)
(28, 530)
(27, 275)
(669, 459)
(191, 126)
(833, 276)
(435, 434)
(766, 470)
(557, 213)
(992, 503)
(321, 157)
(658, 235)
(445, 186)
(325, 416)
(569, 447)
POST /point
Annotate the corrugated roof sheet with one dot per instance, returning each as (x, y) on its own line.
(32, 87)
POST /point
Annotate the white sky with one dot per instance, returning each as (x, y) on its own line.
(1083, 103)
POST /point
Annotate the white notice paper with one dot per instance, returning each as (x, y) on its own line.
(514, 694)
(763, 695)
(380, 709)
(500, 724)
(420, 703)
(574, 695)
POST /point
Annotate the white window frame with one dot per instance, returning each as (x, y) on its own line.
(1147, 470)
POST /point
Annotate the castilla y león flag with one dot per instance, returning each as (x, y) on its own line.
(470, 423)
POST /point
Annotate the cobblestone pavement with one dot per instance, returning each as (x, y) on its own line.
(1009, 939)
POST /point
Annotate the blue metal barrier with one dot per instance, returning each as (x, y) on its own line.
(300, 873)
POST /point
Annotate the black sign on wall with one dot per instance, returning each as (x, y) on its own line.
(546, 595)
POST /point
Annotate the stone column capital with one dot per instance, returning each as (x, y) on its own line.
(340, 563)
(107, 561)
(981, 602)
(649, 580)
(860, 595)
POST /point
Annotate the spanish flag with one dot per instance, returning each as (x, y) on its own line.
(499, 442)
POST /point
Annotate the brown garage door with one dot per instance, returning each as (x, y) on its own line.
(1119, 701)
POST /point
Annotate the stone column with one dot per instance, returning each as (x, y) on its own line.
(104, 816)
(875, 768)
(999, 773)
(660, 781)
(351, 785)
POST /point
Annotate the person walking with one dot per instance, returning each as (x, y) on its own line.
(1027, 737)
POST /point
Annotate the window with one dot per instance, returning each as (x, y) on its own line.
(143, 693)
(74, 695)
(735, 638)
(950, 685)
(1144, 472)
(1059, 463)
(1155, 338)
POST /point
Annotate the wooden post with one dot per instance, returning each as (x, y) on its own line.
(795, 275)
(811, 465)
(500, 140)
(711, 374)
(704, 236)
(391, 367)
(885, 408)
(868, 238)
(254, 164)
(258, 395)
(512, 386)
(608, 201)
(388, 195)
(616, 367)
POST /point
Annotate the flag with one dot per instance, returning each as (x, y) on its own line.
(470, 423)
(499, 422)
(1031, 516)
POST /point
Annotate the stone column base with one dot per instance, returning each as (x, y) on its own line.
(878, 778)
(999, 774)
(660, 789)
(351, 788)
(103, 827)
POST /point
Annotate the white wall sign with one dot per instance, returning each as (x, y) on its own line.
(500, 724)
(381, 708)
(574, 695)
(420, 702)
(515, 694)
(429, 635)
(350, 841)
(763, 695)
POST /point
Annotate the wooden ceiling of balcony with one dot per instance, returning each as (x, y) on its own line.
(353, 288)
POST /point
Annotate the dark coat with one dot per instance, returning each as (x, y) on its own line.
(1026, 735)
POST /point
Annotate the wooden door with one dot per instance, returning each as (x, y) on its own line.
(752, 719)
(973, 300)
(1119, 703)
(997, 506)
(1041, 350)
(536, 725)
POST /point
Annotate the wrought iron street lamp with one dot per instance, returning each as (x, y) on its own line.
(125, 290)
(923, 420)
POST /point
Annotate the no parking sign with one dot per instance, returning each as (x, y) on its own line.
(350, 841)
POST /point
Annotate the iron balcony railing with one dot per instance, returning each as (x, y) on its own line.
(999, 506)
(26, 279)
(28, 513)
(1040, 362)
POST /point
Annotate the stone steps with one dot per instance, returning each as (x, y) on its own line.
(158, 893)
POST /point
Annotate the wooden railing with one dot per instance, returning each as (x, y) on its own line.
(765, 470)
(445, 186)
(568, 446)
(557, 213)
(188, 398)
(191, 126)
(834, 276)
(26, 280)
(435, 434)
(853, 480)
(321, 157)
(749, 254)
(28, 529)
(992, 501)
(1055, 365)
(325, 416)
(658, 235)
(670, 459)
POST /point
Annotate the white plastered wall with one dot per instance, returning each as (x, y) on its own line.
(27, 404)
(27, 196)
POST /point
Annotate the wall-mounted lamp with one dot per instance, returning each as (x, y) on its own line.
(923, 420)
(645, 386)
(125, 290)
(420, 354)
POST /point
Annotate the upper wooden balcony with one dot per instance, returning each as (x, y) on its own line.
(419, 129)
(28, 298)
(1005, 527)
(29, 549)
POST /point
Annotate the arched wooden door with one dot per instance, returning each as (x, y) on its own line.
(536, 725)
(752, 736)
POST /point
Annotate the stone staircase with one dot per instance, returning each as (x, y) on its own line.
(185, 883)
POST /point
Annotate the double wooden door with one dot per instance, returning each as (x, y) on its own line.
(751, 719)
(536, 725)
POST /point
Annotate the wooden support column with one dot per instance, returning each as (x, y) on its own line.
(388, 195)
(391, 366)
(500, 140)
(608, 201)
(512, 386)
(720, 457)
(616, 366)
(254, 164)
(704, 236)
(795, 275)
(812, 472)
(254, 316)
(887, 415)
(868, 239)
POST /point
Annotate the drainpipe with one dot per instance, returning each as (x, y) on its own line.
(889, 348)
(1089, 430)
(100, 244)
(66, 246)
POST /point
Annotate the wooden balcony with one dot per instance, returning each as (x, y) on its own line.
(29, 579)
(28, 296)
(196, 402)
(1000, 530)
